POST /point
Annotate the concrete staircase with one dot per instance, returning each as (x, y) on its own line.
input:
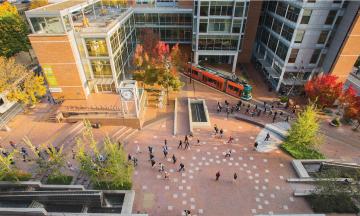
(123, 134)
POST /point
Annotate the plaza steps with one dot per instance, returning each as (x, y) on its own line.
(123, 134)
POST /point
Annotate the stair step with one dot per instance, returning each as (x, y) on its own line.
(121, 136)
(118, 132)
(132, 133)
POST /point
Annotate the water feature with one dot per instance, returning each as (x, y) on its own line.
(198, 114)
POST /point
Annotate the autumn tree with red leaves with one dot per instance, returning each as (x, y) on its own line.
(159, 67)
(351, 103)
(324, 90)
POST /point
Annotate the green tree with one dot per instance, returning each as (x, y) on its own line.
(8, 169)
(20, 84)
(304, 135)
(13, 31)
(53, 161)
(111, 172)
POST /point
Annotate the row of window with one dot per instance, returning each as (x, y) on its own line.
(163, 19)
(221, 25)
(284, 9)
(172, 34)
(280, 28)
(222, 8)
(218, 42)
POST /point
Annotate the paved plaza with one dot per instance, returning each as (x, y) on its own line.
(261, 186)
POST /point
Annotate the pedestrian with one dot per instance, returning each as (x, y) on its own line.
(165, 152)
(216, 129)
(73, 153)
(152, 163)
(187, 144)
(256, 106)
(287, 118)
(135, 160)
(182, 167)
(267, 137)
(264, 104)
(119, 145)
(256, 145)
(274, 118)
(129, 157)
(187, 212)
(231, 139)
(232, 109)
(165, 142)
(198, 141)
(259, 113)
(226, 103)
(235, 177)
(174, 159)
(228, 153)
(166, 175)
(180, 144)
(161, 167)
(151, 156)
(12, 144)
(227, 112)
(186, 139)
(23, 153)
(217, 176)
(221, 133)
(150, 149)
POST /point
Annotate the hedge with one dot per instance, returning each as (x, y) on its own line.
(59, 180)
(302, 152)
(108, 185)
(339, 203)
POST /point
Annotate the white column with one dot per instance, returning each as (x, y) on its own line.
(196, 58)
(234, 62)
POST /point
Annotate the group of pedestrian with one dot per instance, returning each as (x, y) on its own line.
(218, 133)
(186, 142)
(234, 179)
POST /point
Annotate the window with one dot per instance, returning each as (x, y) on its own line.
(218, 8)
(236, 26)
(219, 25)
(299, 36)
(293, 13)
(101, 68)
(96, 47)
(277, 26)
(204, 8)
(203, 25)
(311, 1)
(293, 55)
(272, 6)
(330, 18)
(322, 37)
(315, 56)
(281, 9)
(268, 21)
(265, 36)
(239, 9)
(287, 32)
(338, 21)
(272, 43)
(281, 50)
(306, 16)
(337, 1)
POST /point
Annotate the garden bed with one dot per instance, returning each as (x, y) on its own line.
(107, 185)
(340, 203)
(17, 176)
(302, 153)
(59, 180)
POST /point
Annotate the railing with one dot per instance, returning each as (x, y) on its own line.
(10, 114)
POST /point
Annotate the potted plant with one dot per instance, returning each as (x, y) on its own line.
(335, 122)
(284, 100)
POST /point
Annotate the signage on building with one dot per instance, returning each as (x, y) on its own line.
(55, 90)
(50, 77)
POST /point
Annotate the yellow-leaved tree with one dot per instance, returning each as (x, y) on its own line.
(20, 84)
(38, 3)
(115, 2)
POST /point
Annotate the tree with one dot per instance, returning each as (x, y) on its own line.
(53, 161)
(13, 31)
(115, 2)
(149, 40)
(108, 168)
(38, 3)
(351, 102)
(8, 170)
(304, 136)
(324, 90)
(20, 84)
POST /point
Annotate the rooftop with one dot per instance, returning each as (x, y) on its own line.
(60, 6)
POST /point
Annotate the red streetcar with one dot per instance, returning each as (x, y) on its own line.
(215, 79)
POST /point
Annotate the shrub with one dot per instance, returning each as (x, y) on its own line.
(339, 203)
(17, 175)
(108, 185)
(59, 180)
(299, 152)
(284, 99)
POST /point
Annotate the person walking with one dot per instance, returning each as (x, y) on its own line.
(227, 112)
(221, 133)
(161, 167)
(129, 157)
(228, 153)
(166, 175)
(256, 145)
(231, 139)
(135, 160)
(287, 118)
(180, 144)
(152, 163)
(267, 137)
(187, 212)
(217, 176)
(182, 167)
(187, 144)
(12, 144)
(150, 149)
(198, 141)
(186, 139)
(235, 178)
(174, 159)
(152, 156)
(216, 129)
(138, 151)
(165, 151)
